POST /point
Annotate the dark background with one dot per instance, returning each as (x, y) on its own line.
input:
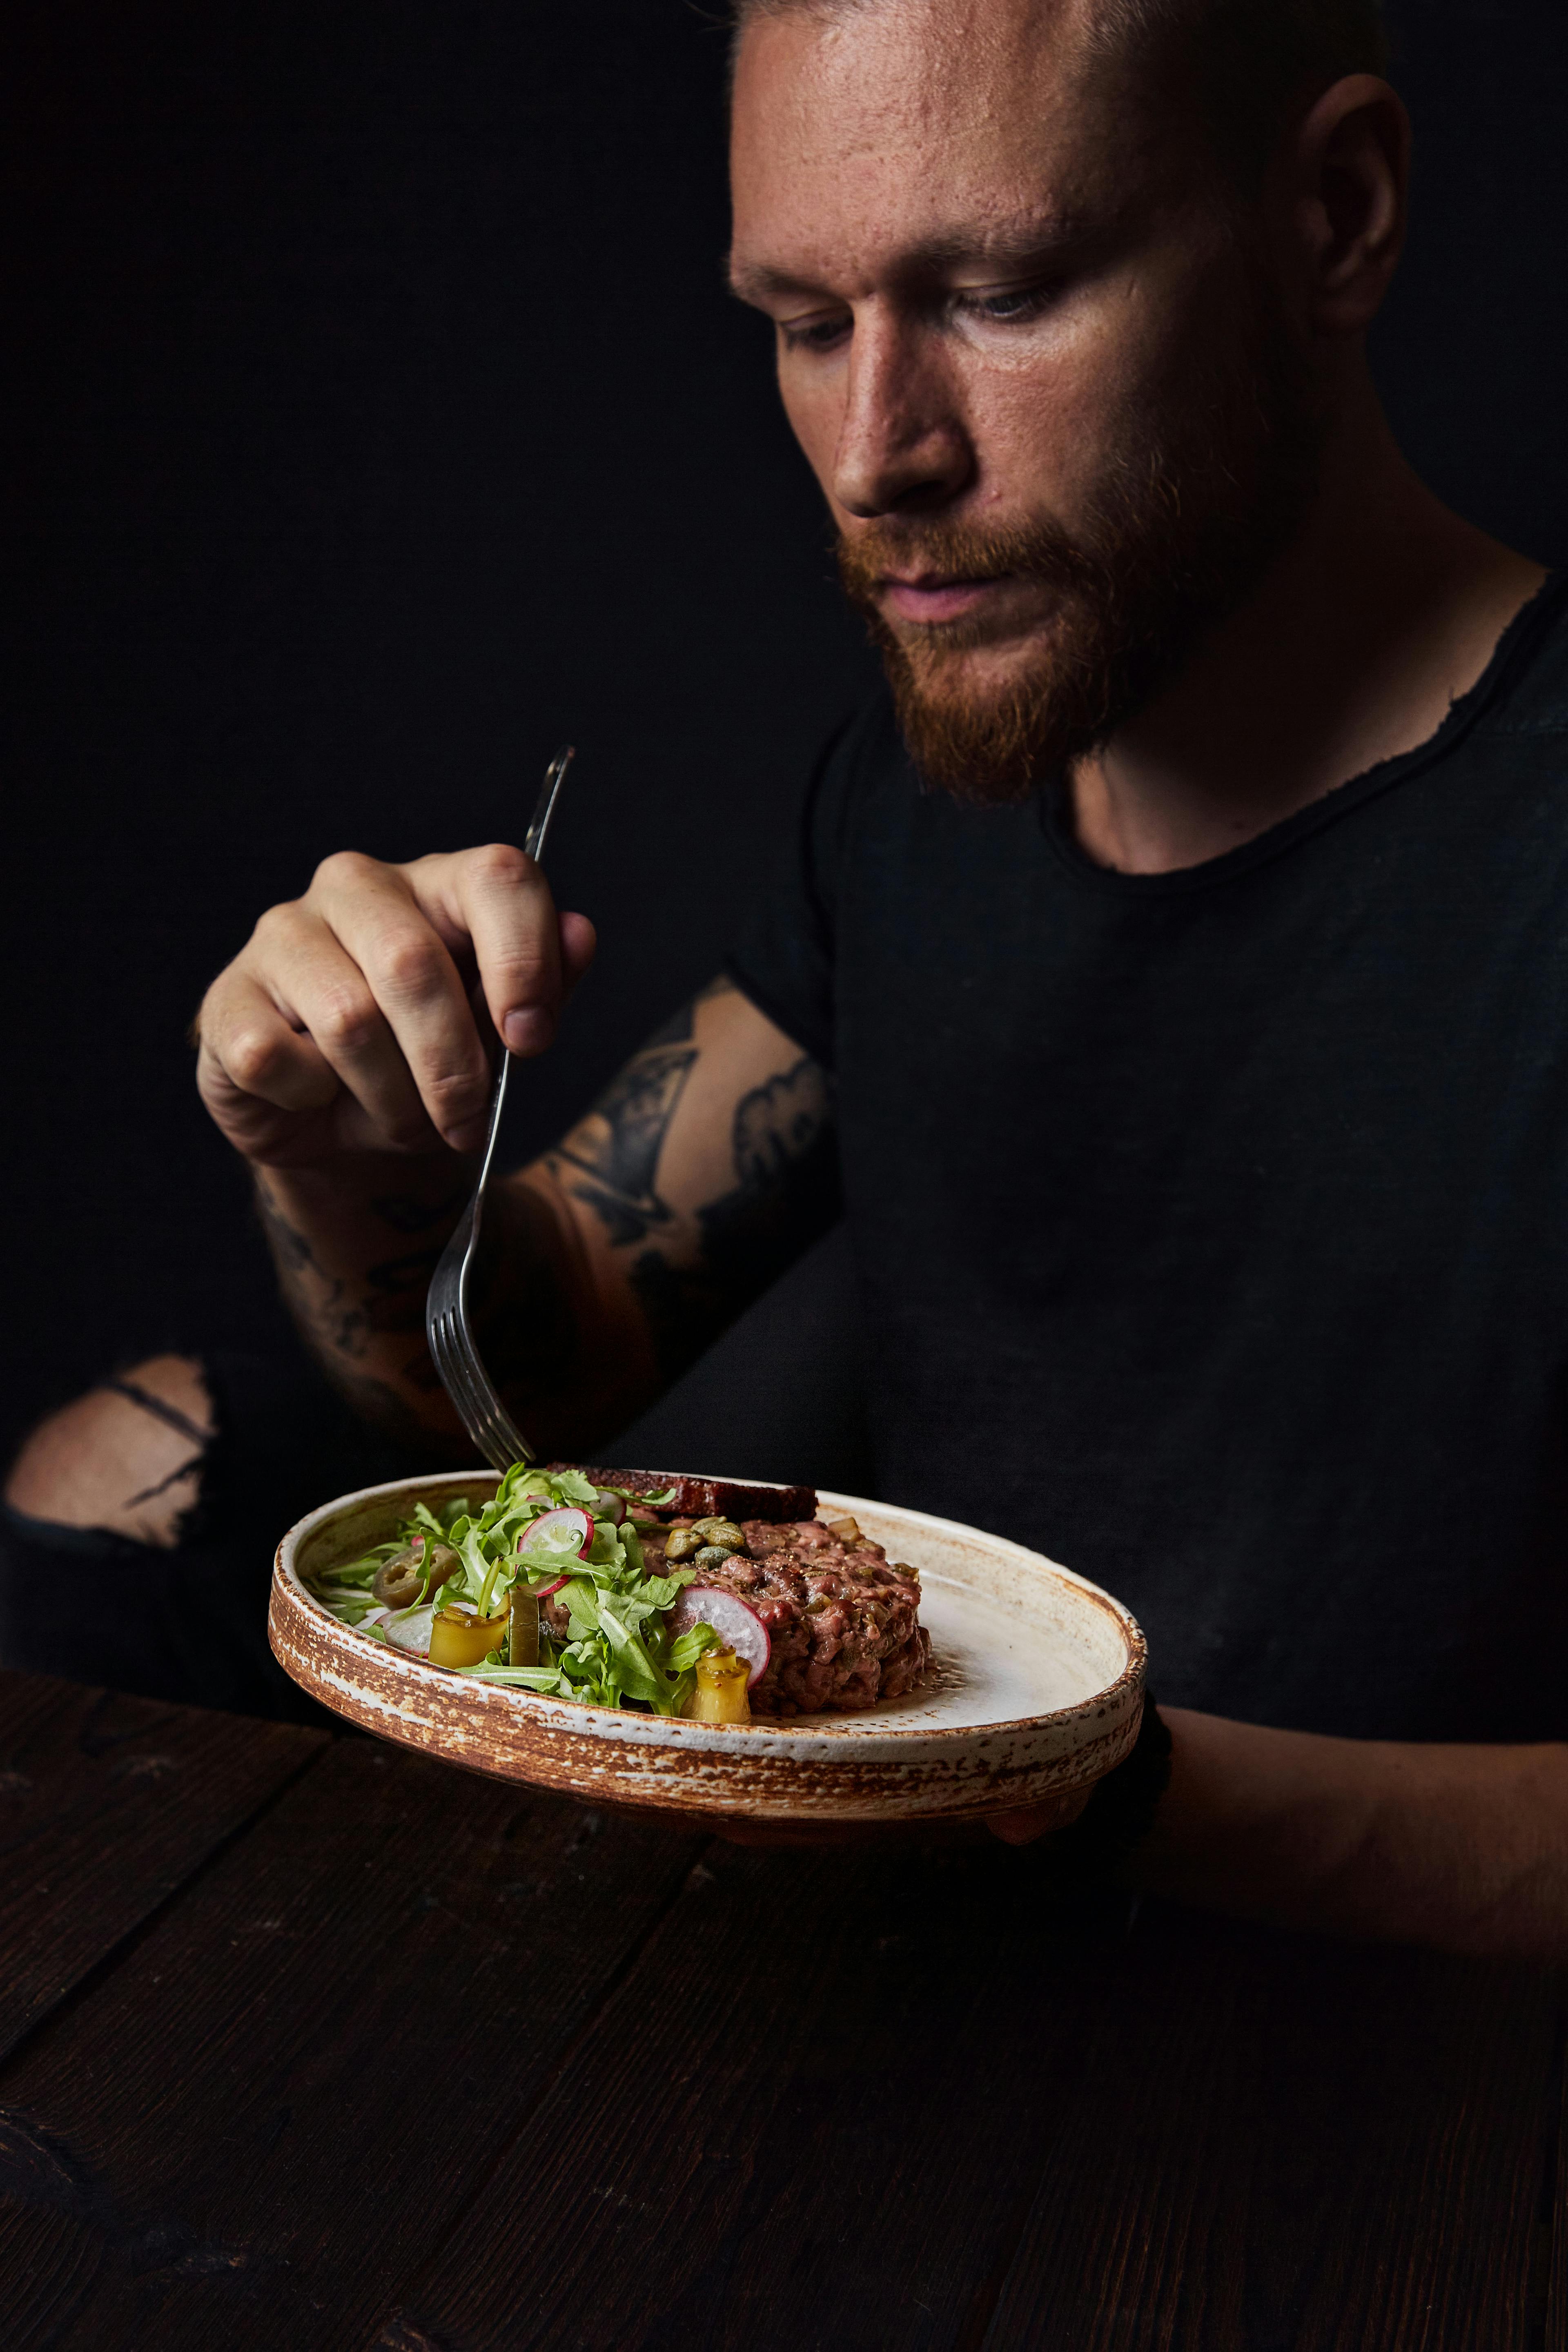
(378, 420)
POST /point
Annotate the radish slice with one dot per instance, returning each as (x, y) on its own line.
(734, 1621)
(544, 1591)
(553, 1533)
(610, 1506)
(412, 1631)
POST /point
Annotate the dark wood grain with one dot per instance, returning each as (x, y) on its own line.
(852, 2071)
(1552, 2215)
(899, 2107)
(1295, 2143)
(107, 1804)
(302, 2076)
(426, 2064)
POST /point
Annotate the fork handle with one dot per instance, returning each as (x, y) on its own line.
(533, 842)
(498, 1101)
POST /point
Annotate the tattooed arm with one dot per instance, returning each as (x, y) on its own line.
(702, 1172)
(340, 1053)
(703, 1169)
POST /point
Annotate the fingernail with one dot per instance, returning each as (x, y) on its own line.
(527, 1032)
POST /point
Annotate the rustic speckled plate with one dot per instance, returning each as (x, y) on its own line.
(1037, 1690)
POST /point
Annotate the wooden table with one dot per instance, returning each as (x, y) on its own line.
(309, 2043)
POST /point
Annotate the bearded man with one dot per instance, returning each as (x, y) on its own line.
(1170, 986)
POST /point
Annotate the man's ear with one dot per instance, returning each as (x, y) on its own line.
(1346, 188)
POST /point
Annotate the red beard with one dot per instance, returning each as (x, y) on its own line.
(1177, 538)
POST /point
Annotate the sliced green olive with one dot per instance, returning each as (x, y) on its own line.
(399, 1581)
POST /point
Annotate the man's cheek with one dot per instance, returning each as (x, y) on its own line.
(1043, 460)
(815, 416)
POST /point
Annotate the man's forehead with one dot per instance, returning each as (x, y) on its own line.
(946, 128)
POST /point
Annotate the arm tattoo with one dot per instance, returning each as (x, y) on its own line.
(407, 1213)
(339, 1319)
(538, 1322)
(616, 1147)
(786, 1195)
(693, 1274)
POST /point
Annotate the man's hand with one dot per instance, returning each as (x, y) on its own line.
(342, 1052)
(346, 1024)
(1032, 1821)
(1017, 1829)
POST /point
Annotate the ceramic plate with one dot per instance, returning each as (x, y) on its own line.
(1036, 1688)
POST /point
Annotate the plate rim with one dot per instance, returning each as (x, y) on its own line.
(625, 1725)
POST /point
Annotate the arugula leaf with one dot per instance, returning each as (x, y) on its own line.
(547, 1679)
(694, 1643)
(617, 1651)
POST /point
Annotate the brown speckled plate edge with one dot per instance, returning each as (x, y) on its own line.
(866, 1768)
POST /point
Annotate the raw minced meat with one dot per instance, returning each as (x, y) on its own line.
(842, 1620)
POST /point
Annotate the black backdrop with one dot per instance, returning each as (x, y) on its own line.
(378, 421)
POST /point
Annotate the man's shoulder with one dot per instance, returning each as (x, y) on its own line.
(1535, 698)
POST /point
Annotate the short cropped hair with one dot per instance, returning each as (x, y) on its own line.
(1249, 61)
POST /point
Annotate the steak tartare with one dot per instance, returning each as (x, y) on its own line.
(842, 1620)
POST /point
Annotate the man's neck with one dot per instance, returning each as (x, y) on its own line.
(1384, 610)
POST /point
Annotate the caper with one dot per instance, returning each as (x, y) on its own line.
(399, 1581)
(712, 1555)
(683, 1544)
(722, 1531)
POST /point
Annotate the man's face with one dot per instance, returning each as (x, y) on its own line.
(1057, 421)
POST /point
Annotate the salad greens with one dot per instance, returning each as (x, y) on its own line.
(617, 1650)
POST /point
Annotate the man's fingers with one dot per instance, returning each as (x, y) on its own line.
(249, 1048)
(1032, 1821)
(579, 946)
(499, 901)
(320, 984)
(422, 1008)
(347, 1016)
(531, 1029)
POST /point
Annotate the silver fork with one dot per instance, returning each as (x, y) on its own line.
(446, 1326)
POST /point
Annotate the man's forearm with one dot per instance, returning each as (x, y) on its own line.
(1461, 1847)
(354, 1247)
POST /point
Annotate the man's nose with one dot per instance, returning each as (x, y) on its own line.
(902, 442)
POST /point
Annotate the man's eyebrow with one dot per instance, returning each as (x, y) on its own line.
(1021, 245)
(753, 281)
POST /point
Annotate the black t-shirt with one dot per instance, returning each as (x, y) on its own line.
(1212, 1227)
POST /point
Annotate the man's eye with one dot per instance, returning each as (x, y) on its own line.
(812, 335)
(1006, 308)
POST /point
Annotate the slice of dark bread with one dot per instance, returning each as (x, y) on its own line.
(702, 1499)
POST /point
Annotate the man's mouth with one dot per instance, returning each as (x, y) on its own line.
(935, 597)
